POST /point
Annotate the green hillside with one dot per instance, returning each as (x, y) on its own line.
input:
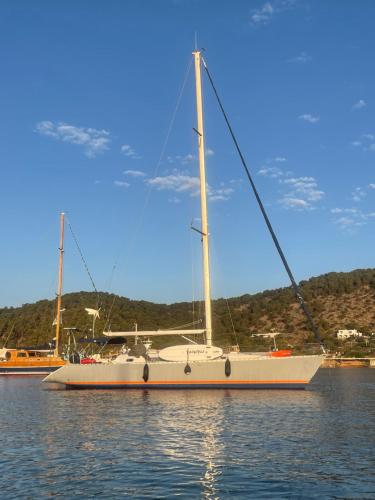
(337, 300)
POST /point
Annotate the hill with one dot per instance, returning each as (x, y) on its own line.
(337, 300)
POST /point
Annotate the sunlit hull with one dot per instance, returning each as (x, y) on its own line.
(246, 372)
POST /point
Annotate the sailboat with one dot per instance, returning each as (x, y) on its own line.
(192, 365)
(34, 361)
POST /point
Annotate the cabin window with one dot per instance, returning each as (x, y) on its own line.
(21, 355)
(32, 354)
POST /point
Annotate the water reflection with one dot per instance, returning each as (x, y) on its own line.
(189, 429)
(190, 443)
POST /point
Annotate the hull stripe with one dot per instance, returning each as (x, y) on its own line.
(192, 382)
(190, 386)
(37, 370)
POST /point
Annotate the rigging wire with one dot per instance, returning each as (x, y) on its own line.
(219, 274)
(84, 261)
(296, 288)
(156, 170)
(9, 334)
(192, 323)
(192, 276)
(231, 320)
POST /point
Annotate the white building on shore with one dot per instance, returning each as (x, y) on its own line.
(346, 334)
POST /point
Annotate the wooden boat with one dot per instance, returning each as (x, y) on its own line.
(34, 361)
(28, 362)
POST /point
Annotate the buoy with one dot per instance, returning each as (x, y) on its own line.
(228, 368)
(146, 372)
(187, 369)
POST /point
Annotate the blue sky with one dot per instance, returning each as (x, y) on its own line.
(87, 93)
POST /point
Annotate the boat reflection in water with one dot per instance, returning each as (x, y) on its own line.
(191, 425)
(190, 444)
(201, 439)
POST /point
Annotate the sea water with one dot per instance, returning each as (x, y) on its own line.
(317, 443)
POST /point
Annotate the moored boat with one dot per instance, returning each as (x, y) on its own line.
(194, 365)
(15, 361)
(28, 362)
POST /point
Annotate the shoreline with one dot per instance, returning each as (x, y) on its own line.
(348, 363)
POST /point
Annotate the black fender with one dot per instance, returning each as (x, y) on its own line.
(228, 368)
(146, 372)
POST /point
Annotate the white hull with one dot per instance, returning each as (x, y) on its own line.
(246, 372)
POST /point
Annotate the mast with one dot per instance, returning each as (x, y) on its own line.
(202, 174)
(59, 287)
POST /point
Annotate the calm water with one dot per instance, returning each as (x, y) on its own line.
(191, 444)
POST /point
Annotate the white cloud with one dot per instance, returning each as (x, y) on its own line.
(176, 182)
(309, 118)
(263, 14)
(298, 203)
(134, 173)
(188, 158)
(280, 159)
(221, 194)
(350, 218)
(94, 141)
(272, 172)
(359, 105)
(121, 184)
(303, 194)
(367, 142)
(347, 222)
(306, 186)
(299, 192)
(303, 57)
(179, 182)
(182, 159)
(128, 151)
(344, 211)
(358, 194)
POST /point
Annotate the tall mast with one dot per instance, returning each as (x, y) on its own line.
(59, 287)
(202, 173)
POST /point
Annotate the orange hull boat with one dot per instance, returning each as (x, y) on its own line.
(28, 362)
